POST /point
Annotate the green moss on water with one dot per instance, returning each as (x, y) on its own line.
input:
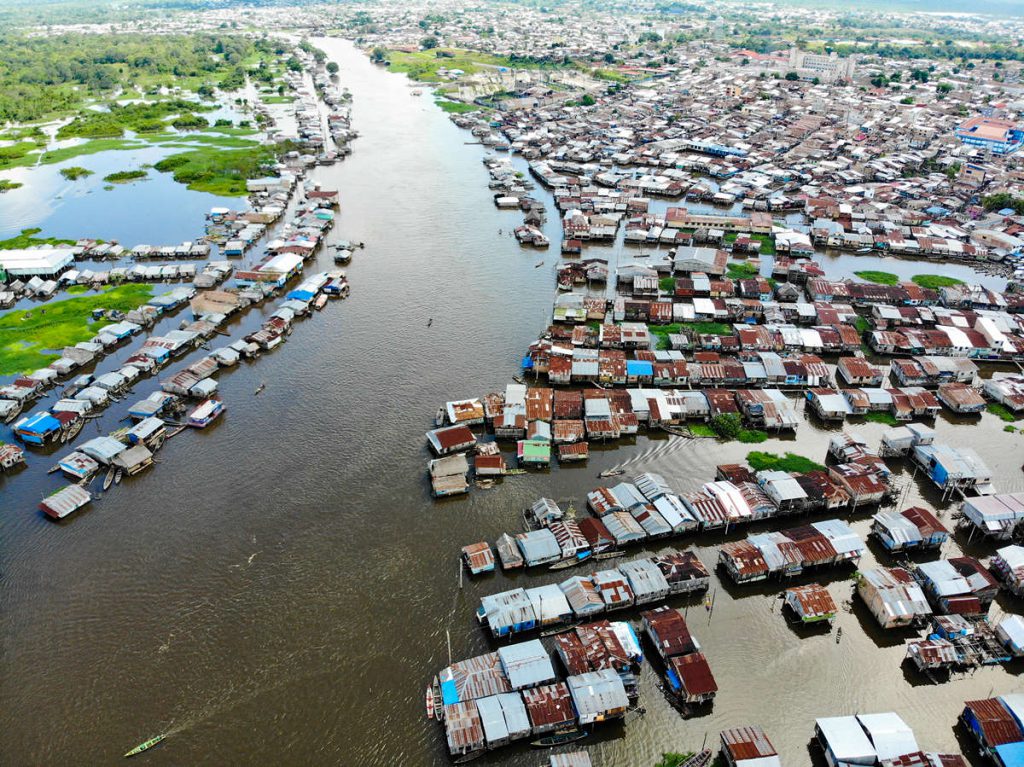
(879, 278)
(6, 185)
(32, 338)
(761, 461)
(935, 281)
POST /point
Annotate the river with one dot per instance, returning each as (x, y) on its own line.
(278, 589)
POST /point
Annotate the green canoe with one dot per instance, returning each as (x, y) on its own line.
(146, 746)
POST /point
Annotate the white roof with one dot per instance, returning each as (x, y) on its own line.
(27, 261)
(890, 734)
(847, 740)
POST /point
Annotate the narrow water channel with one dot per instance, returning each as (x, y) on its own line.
(278, 589)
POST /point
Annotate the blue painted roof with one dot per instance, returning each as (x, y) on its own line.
(639, 368)
(1011, 754)
(40, 422)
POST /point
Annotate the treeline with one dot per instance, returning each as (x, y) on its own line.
(41, 76)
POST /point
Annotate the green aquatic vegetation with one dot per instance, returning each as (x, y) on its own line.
(222, 171)
(881, 417)
(879, 278)
(935, 281)
(6, 185)
(75, 172)
(145, 117)
(125, 176)
(28, 239)
(32, 338)
(740, 270)
(13, 155)
(761, 461)
(90, 147)
(457, 107)
(1001, 411)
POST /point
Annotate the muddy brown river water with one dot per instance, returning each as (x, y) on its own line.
(278, 589)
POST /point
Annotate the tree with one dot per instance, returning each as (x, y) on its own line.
(378, 54)
(588, 100)
(332, 67)
(609, 58)
(727, 425)
(428, 43)
(944, 88)
(792, 76)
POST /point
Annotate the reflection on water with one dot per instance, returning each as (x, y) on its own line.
(278, 591)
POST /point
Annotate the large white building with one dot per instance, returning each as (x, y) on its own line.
(36, 262)
(826, 68)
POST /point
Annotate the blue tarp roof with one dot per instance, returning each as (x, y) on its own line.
(639, 368)
(301, 295)
(1011, 754)
(40, 422)
(449, 692)
(527, 363)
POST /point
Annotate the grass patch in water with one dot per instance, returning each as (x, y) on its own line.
(740, 271)
(28, 239)
(882, 417)
(457, 107)
(222, 171)
(89, 147)
(145, 117)
(1001, 411)
(761, 461)
(935, 281)
(7, 185)
(75, 172)
(32, 338)
(22, 153)
(879, 278)
(125, 176)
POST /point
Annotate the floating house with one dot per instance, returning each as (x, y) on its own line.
(810, 604)
(748, 747)
(893, 597)
(65, 501)
(1008, 566)
(994, 516)
(451, 439)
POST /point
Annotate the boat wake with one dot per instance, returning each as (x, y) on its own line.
(662, 450)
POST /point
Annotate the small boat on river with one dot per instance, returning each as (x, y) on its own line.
(145, 746)
(109, 479)
(439, 418)
(560, 737)
(612, 473)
